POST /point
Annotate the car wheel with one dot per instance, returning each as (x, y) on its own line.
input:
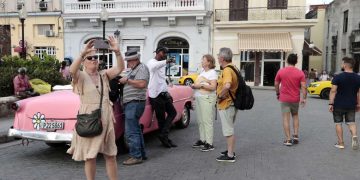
(56, 145)
(185, 118)
(325, 93)
(188, 82)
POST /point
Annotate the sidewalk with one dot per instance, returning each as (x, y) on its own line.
(5, 124)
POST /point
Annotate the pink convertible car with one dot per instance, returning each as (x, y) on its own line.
(51, 117)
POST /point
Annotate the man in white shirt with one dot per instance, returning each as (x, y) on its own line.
(160, 100)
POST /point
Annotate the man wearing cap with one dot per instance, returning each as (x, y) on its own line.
(22, 86)
(160, 99)
(134, 104)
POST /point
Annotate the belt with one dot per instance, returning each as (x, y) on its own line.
(136, 100)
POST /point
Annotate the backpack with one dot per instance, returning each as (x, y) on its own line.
(244, 99)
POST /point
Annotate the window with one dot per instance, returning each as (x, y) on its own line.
(346, 18)
(277, 4)
(272, 55)
(42, 28)
(39, 51)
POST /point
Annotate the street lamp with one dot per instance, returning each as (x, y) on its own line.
(104, 16)
(22, 17)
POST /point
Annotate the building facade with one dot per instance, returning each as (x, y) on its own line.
(43, 28)
(342, 34)
(314, 39)
(181, 25)
(261, 33)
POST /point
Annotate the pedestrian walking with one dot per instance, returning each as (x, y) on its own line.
(324, 76)
(64, 70)
(227, 83)
(87, 84)
(205, 100)
(312, 75)
(134, 105)
(344, 102)
(160, 99)
(291, 80)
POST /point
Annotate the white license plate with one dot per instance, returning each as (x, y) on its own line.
(53, 125)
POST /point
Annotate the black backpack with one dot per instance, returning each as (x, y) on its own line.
(244, 99)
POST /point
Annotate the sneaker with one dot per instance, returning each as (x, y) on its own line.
(354, 143)
(339, 145)
(132, 161)
(295, 139)
(207, 147)
(198, 144)
(288, 143)
(225, 153)
(225, 158)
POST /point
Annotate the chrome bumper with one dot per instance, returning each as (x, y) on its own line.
(41, 135)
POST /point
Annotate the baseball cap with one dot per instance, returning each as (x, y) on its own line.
(161, 48)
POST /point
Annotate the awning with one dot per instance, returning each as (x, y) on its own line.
(311, 51)
(268, 42)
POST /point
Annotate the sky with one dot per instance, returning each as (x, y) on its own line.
(311, 2)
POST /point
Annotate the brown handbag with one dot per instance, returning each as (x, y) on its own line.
(89, 125)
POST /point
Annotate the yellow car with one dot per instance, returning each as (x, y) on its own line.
(188, 80)
(321, 88)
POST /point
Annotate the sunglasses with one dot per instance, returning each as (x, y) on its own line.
(92, 58)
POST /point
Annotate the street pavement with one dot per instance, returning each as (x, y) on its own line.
(259, 150)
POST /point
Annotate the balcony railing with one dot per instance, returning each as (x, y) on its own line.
(71, 6)
(260, 13)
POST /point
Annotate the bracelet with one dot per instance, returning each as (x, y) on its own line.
(118, 54)
(331, 104)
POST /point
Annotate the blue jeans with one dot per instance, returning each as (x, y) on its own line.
(133, 134)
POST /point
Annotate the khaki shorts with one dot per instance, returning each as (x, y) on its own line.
(286, 107)
(227, 117)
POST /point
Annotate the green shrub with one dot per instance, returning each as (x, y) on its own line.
(46, 69)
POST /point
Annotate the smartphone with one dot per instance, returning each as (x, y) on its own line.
(101, 44)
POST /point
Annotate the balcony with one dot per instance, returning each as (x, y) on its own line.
(259, 14)
(75, 7)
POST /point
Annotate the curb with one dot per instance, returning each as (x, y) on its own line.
(4, 138)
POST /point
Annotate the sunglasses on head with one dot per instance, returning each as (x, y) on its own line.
(92, 58)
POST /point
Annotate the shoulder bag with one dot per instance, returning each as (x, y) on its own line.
(89, 125)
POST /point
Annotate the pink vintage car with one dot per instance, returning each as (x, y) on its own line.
(51, 117)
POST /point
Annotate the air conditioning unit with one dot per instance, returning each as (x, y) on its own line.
(50, 33)
(43, 5)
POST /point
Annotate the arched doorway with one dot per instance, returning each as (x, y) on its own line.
(105, 56)
(179, 49)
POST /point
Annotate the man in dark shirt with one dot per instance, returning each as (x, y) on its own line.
(344, 101)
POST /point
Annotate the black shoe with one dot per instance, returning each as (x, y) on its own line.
(225, 153)
(225, 158)
(171, 143)
(164, 142)
(207, 147)
(144, 158)
(198, 144)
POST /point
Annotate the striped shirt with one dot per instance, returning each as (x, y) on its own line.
(141, 72)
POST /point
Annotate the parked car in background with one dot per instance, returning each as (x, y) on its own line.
(188, 80)
(51, 117)
(320, 88)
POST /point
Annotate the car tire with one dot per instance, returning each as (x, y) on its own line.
(185, 118)
(56, 145)
(325, 93)
(188, 82)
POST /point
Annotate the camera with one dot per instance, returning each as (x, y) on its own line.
(101, 44)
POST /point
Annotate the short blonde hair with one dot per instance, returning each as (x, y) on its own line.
(211, 60)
